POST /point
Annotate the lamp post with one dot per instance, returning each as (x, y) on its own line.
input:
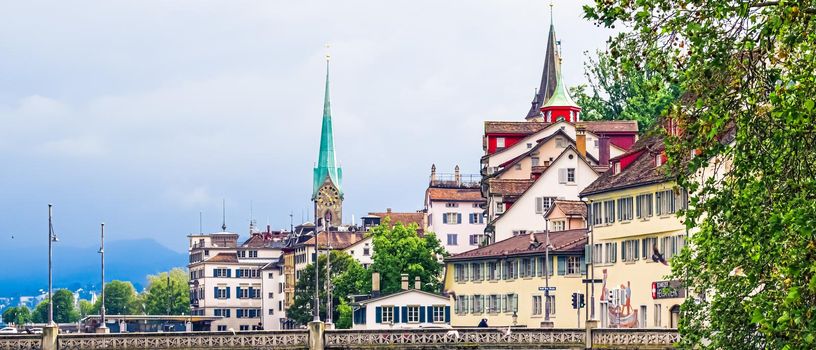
(326, 220)
(547, 323)
(317, 284)
(52, 237)
(103, 328)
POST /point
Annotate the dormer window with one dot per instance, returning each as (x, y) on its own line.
(500, 142)
(658, 160)
(616, 168)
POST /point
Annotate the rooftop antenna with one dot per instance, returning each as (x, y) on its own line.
(291, 221)
(551, 11)
(251, 218)
(224, 215)
(200, 223)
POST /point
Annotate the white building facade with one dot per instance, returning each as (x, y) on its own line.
(454, 206)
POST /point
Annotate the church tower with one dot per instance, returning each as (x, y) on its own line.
(327, 193)
(549, 78)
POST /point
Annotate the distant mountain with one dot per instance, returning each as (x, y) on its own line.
(25, 271)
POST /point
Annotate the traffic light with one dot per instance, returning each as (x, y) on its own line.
(581, 301)
(574, 300)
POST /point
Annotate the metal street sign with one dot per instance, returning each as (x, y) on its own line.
(552, 289)
(589, 280)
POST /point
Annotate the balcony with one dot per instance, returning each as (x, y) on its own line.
(456, 180)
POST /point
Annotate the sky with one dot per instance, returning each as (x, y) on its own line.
(142, 114)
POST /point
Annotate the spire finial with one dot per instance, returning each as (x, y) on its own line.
(328, 55)
(551, 11)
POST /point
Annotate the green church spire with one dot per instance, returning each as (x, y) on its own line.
(326, 161)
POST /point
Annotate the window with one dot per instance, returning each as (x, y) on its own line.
(221, 293)
(270, 312)
(413, 314)
(657, 310)
(459, 273)
(222, 328)
(649, 245)
(476, 218)
(500, 142)
(611, 252)
(253, 253)
(566, 175)
(559, 142)
(597, 219)
(534, 161)
(510, 303)
(529, 145)
(244, 327)
(541, 267)
(499, 208)
(527, 267)
(609, 211)
(269, 276)
(206, 252)
(597, 254)
(573, 265)
(222, 312)
(658, 160)
(452, 239)
(476, 271)
(551, 304)
(643, 206)
(387, 314)
(366, 252)
(643, 316)
(270, 296)
(493, 304)
(476, 239)
(616, 168)
(570, 175)
(461, 305)
(536, 305)
(543, 204)
(242, 293)
(452, 218)
(493, 272)
(630, 250)
(558, 225)
(625, 209)
(438, 312)
(242, 253)
(664, 202)
(672, 245)
(510, 271)
(222, 272)
(477, 308)
(451, 205)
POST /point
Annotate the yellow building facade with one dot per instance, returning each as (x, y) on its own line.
(634, 233)
(504, 282)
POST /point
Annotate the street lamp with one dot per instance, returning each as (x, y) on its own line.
(52, 237)
(317, 276)
(326, 220)
(102, 328)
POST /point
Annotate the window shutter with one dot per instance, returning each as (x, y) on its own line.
(228, 292)
(445, 218)
(240, 313)
(458, 218)
(421, 314)
(615, 255)
(550, 266)
(378, 314)
(562, 265)
(637, 251)
(562, 176)
(583, 265)
(539, 205)
(215, 292)
(623, 251)
(447, 314)
(429, 311)
(396, 314)
(229, 273)
(404, 314)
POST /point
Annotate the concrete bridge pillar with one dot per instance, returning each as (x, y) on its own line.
(317, 331)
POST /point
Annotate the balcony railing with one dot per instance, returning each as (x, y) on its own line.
(456, 181)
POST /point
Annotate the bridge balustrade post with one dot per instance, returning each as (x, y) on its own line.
(49, 337)
(590, 326)
(317, 332)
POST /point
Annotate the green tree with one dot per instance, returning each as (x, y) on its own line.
(345, 311)
(399, 249)
(86, 308)
(622, 91)
(64, 310)
(747, 111)
(17, 315)
(120, 299)
(161, 296)
(348, 278)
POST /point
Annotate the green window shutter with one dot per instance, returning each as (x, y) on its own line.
(562, 265)
(583, 265)
(378, 314)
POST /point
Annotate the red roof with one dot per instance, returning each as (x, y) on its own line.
(224, 258)
(455, 194)
(570, 241)
(339, 240)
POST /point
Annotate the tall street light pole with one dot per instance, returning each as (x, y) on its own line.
(52, 237)
(326, 220)
(103, 328)
(317, 284)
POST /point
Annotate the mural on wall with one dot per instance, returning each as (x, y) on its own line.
(619, 305)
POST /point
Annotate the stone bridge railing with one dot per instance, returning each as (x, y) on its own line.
(460, 338)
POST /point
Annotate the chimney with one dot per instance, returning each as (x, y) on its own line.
(580, 139)
(417, 283)
(375, 284)
(433, 174)
(456, 176)
(388, 210)
(603, 150)
(404, 277)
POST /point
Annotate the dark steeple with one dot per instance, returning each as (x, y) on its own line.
(548, 77)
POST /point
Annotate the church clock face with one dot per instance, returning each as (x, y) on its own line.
(328, 196)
